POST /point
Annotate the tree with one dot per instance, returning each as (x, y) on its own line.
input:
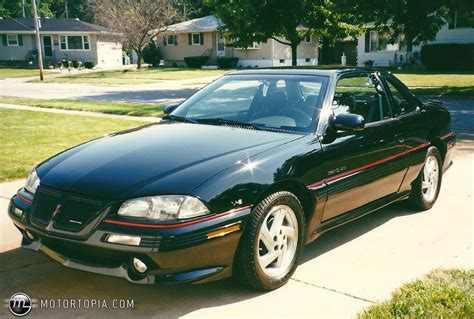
(287, 22)
(137, 21)
(418, 20)
(13, 8)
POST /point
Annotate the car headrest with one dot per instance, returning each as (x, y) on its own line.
(276, 101)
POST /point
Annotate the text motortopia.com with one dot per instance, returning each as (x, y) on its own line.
(20, 304)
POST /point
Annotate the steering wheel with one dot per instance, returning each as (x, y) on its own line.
(301, 118)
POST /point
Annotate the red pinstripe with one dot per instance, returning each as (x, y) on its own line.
(192, 222)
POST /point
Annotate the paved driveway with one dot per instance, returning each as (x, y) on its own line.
(342, 272)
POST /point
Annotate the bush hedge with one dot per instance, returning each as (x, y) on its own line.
(89, 64)
(196, 61)
(227, 62)
(448, 56)
(151, 54)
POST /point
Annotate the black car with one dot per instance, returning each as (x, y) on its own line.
(238, 178)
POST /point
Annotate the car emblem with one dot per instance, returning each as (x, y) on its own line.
(56, 210)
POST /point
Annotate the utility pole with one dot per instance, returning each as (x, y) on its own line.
(23, 4)
(38, 40)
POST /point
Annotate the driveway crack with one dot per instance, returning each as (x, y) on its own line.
(333, 290)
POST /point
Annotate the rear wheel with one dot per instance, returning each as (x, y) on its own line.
(426, 187)
(272, 242)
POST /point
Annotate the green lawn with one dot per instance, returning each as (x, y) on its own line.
(19, 73)
(439, 84)
(27, 137)
(440, 294)
(143, 76)
(91, 106)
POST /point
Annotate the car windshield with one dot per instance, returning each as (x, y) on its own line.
(268, 102)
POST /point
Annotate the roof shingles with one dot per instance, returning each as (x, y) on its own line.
(49, 25)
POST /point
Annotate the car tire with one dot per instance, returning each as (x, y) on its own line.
(277, 223)
(425, 189)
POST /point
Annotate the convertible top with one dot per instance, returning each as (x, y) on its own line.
(300, 71)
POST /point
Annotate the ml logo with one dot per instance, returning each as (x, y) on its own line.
(56, 210)
(20, 304)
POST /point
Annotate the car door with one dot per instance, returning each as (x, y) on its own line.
(414, 123)
(362, 167)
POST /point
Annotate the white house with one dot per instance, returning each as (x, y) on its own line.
(375, 46)
(202, 37)
(69, 39)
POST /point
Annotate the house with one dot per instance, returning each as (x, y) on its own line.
(69, 39)
(377, 46)
(204, 37)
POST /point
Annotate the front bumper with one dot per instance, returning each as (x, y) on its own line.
(199, 252)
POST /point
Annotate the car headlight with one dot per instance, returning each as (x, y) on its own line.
(163, 208)
(32, 182)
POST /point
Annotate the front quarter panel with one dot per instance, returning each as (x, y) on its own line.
(248, 181)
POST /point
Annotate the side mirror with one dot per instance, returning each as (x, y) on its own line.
(170, 108)
(349, 122)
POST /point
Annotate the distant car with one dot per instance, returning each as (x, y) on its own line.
(238, 178)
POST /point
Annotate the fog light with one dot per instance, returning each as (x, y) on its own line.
(124, 239)
(139, 265)
(30, 235)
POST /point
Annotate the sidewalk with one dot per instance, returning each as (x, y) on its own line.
(10, 237)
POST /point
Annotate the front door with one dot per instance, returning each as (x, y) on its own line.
(47, 46)
(364, 166)
(220, 45)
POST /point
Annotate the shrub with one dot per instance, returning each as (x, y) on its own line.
(369, 63)
(448, 56)
(151, 54)
(227, 62)
(196, 61)
(75, 64)
(89, 64)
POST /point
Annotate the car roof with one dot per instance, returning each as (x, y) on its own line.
(300, 71)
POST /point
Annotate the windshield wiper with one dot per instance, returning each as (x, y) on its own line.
(229, 122)
(178, 118)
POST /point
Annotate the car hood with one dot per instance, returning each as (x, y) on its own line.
(162, 158)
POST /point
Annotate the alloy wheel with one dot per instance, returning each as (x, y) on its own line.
(429, 183)
(278, 241)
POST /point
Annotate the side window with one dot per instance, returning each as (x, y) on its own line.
(402, 101)
(361, 94)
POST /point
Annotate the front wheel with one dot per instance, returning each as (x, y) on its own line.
(426, 187)
(272, 242)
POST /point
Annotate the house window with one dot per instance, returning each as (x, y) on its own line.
(171, 40)
(12, 40)
(308, 39)
(85, 40)
(374, 41)
(383, 42)
(74, 42)
(307, 60)
(196, 39)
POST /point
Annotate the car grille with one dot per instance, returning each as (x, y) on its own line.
(73, 214)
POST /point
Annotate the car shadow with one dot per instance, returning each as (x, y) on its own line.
(350, 231)
(42, 278)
